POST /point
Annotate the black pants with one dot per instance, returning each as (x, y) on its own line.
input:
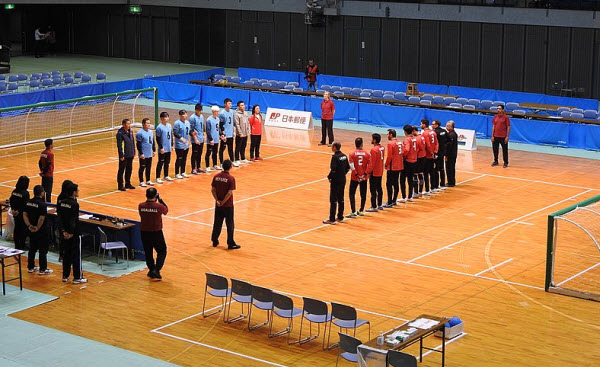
(255, 146)
(451, 170)
(440, 174)
(311, 86)
(240, 147)
(226, 144)
(428, 173)
(211, 150)
(376, 191)
(154, 241)
(495, 147)
(38, 242)
(363, 194)
(408, 174)
(47, 183)
(336, 200)
(223, 213)
(20, 232)
(392, 185)
(326, 131)
(125, 169)
(181, 160)
(145, 165)
(72, 257)
(164, 160)
(197, 156)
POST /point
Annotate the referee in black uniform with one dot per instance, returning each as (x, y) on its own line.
(438, 171)
(68, 221)
(339, 168)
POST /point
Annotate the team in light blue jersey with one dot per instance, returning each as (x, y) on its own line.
(226, 130)
(145, 145)
(197, 139)
(181, 133)
(212, 138)
(164, 139)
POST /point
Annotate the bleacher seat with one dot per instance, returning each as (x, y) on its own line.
(493, 108)
(427, 97)
(67, 75)
(498, 103)
(455, 105)
(146, 76)
(475, 102)
(298, 89)
(462, 101)
(448, 100)
(336, 88)
(219, 77)
(56, 81)
(295, 84)
(485, 104)
(228, 78)
(36, 75)
(46, 75)
(365, 95)
(347, 90)
(338, 93)
(2, 87)
(68, 80)
(267, 85)
(254, 80)
(326, 87)
(22, 79)
(468, 107)
(281, 84)
(378, 93)
(425, 102)
(356, 91)
(260, 81)
(46, 83)
(289, 87)
(273, 81)
(590, 114)
(389, 92)
(100, 77)
(12, 87)
(236, 79)
(519, 112)
(511, 106)
(438, 100)
(368, 90)
(400, 95)
(85, 78)
(414, 99)
(576, 110)
(13, 79)
(561, 109)
(249, 82)
(320, 91)
(2, 77)
(388, 96)
(576, 115)
(77, 76)
(55, 72)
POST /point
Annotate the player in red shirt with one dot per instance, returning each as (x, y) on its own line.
(394, 165)
(431, 145)
(421, 153)
(46, 164)
(151, 212)
(375, 173)
(409, 151)
(359, 162)
(223, 185)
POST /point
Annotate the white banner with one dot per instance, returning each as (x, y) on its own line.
(466, 139)
(299, 120)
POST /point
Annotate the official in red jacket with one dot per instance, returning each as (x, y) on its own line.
(151, 212)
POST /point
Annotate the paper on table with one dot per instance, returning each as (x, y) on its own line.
(85, 216)
(423, 323)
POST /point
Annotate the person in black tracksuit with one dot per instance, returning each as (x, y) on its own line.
(438, 170)
(35, 219)
(339, 168)
(68, 222)
(18, 199)
(126, 149)
(451, 153)
(62, 196)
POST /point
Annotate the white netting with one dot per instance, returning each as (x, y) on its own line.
(576, 260)
(36, 123)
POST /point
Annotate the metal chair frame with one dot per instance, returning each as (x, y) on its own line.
(344, 313)
(239, 289)
(317, 308)
(262, 295)
(217, 283)
(281, 305)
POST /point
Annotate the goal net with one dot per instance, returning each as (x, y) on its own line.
(573, 256)
(60, 119)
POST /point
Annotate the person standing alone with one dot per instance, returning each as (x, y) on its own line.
(151, 212)
(311, 72)
(451, 153)
(500, 133)
(327, 113)
(126, 149)
(46, 164)
(223, 185)
(339, 167)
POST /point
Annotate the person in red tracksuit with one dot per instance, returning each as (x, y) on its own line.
(394, 165)
(375, 173)
(431, 145)
(409, 151)
(151, 212)
(421, 153)
(359, 163)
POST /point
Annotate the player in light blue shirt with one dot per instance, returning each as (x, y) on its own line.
(164, 139)
(181, 132)
(197, 139)
(212, 138)
(146, 148)
(226, 130)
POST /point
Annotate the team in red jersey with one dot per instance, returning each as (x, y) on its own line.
(432, 146)
(375, 172)
(359, 161)
(394, 165)
(421, 153)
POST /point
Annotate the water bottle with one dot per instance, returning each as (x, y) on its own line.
(380, 338)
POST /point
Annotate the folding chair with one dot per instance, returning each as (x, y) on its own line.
(283, 306)
(219, 287)
(317, 312)
(241, 292)
(262, 298)
(345, 317)
(348, 348)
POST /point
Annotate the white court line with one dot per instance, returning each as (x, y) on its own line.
(2, 169)
(471, 179)
(220, 349)
(495, 227)
(525, 223)
(533, 181)
(578, 274)
(66, 170)
(254, 197)
(286, 153)
(495, 266)
(61, 147)
(103, 194)
(448, 342)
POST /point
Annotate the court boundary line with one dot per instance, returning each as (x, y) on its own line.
(65, 170)
(61, 146)
(495, 266)
(578, 274)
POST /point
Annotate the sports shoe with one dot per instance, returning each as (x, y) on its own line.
(443, 187)
(80, 281)
(361, 213)
(329, 145)
(33, 270)
(194, 172)
(143, 184)
(380, 207)
(218, 168)
(351, 215)
(252, 159)
(233, 247)
(410, 200)
(150, 183)
(401, 201)
(321, 143)
(236, 163)
(427, 193)
(64, 280)
(179, 176)
(340, 220)
(168, 178)
(130, 187)
(246, 161)
(505, 165)
(387, 205)
(159, 181)
(415, 196)
(327, 221)
(157, 273)
(372, 210)
(209, 169)
(185, 175)
(151, 274)
(46, 272)
(259, 159)
(494, 164)
(200, 170)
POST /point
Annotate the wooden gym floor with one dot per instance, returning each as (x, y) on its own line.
(477, 251)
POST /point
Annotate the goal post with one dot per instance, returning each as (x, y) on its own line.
(573, 250)
(33, 123)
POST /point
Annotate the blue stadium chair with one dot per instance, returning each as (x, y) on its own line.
(347, 90)
(326, 87)
(493, 108)
(13, 78)
(12, 87)
(561, 109)
(289, 87)
(295, 84)
(273, 81)
(86, 78)
(320, 91)
(576, 115)
(255, 80)
(448, 100)
(414, 99)
(298, 89)
(455, 105)
(266, 85)
(388, 96)
(377, 94)
(519, 112)
(281, 84)
(400, 95)
(356, 91)
(485, 104)
(425, 102)
(511, 106)
(475, 102)
(68, 81)
(77, 76)
(260, 81)
(34, 84)
(219, 77)
(368, 90)
(576, 110)
(498, 103)
(36, 75)
(2, 87)
(335, 88)
(100, 77)
(365, 95)
(338, 93)
(67, 75)
(46, 75)
(2, 77)
(590, 114)
(427, 97)
(228, 78)
(249, 82)
(146, 76)
(236, 79)
(438, 100)
(22, 79)
(388, 92)
(55, 72)
(462, 101)
(468, 107)
(56, 82)
(46, 83)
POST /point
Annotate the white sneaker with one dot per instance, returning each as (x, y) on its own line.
(168, 178)
(80, 281)
(143, 184)
(179, 176)
(236, 163)
(246, 161)
(150, 183)
(46, 272)
(218, 168)
(427, 193)
(209, 169)
(401, 201)
(33, 270)
(159, 181)
(185, 175)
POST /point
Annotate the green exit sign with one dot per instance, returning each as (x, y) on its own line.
(9, 6)
(135, 9)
